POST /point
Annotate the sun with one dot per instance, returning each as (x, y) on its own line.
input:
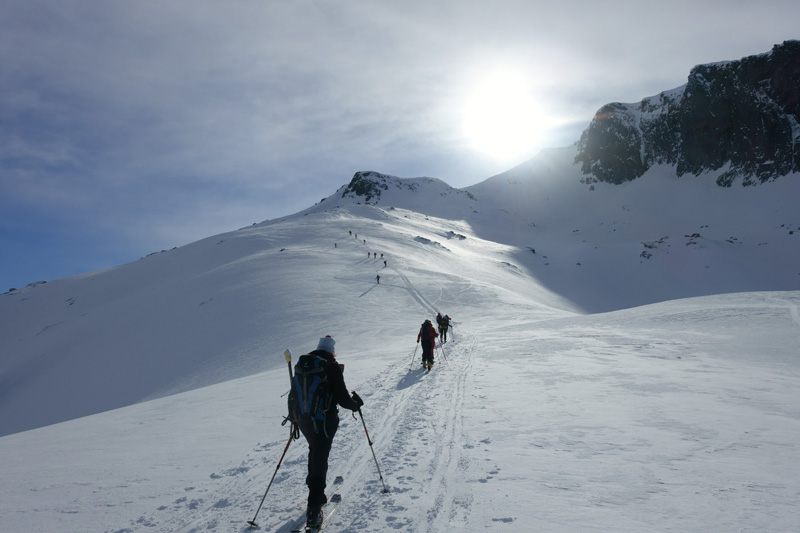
(501, 117)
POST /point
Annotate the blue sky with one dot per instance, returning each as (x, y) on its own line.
(131, 127)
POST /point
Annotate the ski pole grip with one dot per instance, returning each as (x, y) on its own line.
(288, 355)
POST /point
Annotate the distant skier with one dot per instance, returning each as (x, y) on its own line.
(384, 263)
(320, 429)
(428, 337)
(378, 279)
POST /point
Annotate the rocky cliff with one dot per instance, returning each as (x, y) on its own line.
(739, 119)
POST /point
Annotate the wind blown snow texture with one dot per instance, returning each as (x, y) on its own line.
(574, 394)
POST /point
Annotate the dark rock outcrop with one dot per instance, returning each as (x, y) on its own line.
(738, 118)
(367, 184)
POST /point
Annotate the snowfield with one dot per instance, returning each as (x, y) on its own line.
(149, 397)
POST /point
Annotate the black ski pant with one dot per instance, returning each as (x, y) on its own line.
(427, 350)
(319, 447)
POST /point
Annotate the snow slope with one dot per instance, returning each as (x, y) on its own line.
(676, 416)
(163, 378)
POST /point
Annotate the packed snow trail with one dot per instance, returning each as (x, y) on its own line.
(419, 429)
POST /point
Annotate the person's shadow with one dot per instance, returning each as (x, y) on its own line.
(411, 378)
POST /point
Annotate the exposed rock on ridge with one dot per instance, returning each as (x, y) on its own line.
(369, 185)
(741, 118)
(373, 187)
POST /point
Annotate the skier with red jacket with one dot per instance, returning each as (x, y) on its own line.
(427, 334)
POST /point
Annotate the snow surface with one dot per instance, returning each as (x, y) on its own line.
(577, 391)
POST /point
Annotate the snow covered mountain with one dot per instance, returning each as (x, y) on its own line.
(624, 358)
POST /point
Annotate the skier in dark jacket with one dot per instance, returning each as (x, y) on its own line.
(319, 438)
(443, 322)
(428, 337)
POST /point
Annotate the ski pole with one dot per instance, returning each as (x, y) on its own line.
(385, 490)
(253, 521)
(413, 355)
(441, 349)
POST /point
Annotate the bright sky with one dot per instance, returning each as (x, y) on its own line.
(131, 127)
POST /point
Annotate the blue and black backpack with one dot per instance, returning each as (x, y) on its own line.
(310, 397)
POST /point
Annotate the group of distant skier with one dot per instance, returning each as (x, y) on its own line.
(373, 255)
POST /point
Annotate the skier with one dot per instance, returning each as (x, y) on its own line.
(320, 439)
(378, 279)
(443, 322)
(428, 337)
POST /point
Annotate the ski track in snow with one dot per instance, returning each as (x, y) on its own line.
(411, 399)
(417, 295)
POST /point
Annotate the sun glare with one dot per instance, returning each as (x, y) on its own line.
(501, 117)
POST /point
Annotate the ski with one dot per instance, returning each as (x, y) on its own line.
(327, 510)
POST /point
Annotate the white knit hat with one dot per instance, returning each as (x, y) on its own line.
(326, 344)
